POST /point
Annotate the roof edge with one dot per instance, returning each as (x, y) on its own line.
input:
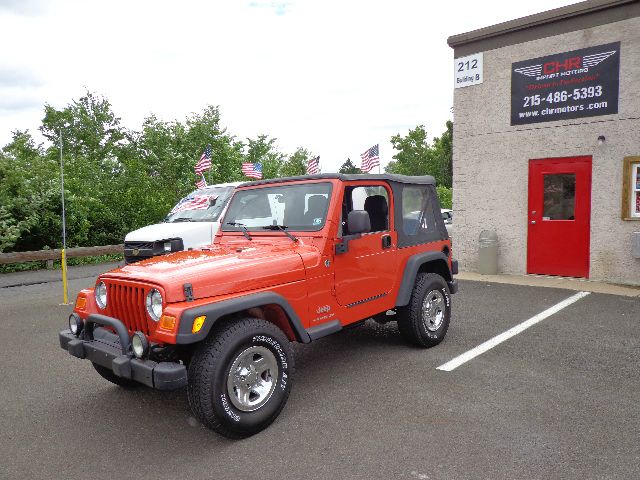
(535, 20)
(423, 179)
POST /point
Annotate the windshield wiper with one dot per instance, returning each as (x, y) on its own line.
(245, 232)
(182, 219)
(283, 228)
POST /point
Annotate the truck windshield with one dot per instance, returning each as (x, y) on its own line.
(301, 207)
(204, 205)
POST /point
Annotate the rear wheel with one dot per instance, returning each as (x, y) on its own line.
(240, 377)
(424, 322)
(107, 374)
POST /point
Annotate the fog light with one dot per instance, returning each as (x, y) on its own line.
(139, 345)
(75, 324)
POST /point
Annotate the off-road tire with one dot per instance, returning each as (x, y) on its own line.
(209, 389)
(430, 295)
(107, 374)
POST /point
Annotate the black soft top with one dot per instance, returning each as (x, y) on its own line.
(364, 177)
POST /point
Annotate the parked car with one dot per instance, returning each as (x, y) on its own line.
(192, 223)
(447, 216)
(296, 259)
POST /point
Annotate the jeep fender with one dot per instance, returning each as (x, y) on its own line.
(411, 270)
(216, 310)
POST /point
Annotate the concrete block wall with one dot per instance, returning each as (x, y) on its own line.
(491, 157)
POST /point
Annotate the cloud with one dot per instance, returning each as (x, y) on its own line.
(279, 8)
(19, 77)
(12, 101)
(24, 7)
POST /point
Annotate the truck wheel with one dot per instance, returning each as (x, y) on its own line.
(424, 322)
(240, 377)
(113, 378)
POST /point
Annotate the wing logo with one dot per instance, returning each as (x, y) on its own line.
(530, 71)
(596, 58)
(566, 67)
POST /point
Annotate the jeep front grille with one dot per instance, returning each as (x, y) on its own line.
(127, 303)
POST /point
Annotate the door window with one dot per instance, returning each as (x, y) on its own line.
(559, 196)
(373, 199)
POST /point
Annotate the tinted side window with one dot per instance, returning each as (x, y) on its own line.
(417, 214)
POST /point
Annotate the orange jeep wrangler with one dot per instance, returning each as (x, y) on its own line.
(296, 259)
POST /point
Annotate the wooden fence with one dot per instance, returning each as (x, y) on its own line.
(50, 255)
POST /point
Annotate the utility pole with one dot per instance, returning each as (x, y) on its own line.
(65, 293)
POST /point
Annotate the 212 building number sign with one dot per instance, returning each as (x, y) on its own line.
(468, 70)
(580, 83)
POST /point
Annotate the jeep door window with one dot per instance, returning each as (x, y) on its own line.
(374, 199)
(204, 205)
(298, 207)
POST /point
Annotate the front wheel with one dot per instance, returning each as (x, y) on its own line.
(424, 322)
(240, 378)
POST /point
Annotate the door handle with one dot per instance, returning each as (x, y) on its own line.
(386, 241)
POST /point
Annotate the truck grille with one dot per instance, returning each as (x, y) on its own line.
(126, 302)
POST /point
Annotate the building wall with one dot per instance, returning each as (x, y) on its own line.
(491, 157)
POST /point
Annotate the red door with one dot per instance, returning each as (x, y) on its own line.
(559, 216)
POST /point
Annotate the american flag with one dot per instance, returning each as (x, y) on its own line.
(201, 183)
(370, 159)
(253, 170)
(313, 166)
(205, 161)
(193, 202)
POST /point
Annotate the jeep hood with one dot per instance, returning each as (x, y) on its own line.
(217, 271)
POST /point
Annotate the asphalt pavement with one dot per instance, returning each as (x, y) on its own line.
(557, 401)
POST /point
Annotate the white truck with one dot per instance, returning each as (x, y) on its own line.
(192, 223)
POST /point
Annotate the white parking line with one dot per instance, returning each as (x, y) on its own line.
(489, 344)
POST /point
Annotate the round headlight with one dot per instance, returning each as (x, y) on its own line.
(101, 295)
(75, 324)
(154, 304)
(139, 345)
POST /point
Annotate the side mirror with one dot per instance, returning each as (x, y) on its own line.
(358, 221)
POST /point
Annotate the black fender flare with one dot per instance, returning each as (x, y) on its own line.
(217, 309)
(411, 270)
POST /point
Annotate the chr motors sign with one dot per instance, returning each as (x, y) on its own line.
(580, 83)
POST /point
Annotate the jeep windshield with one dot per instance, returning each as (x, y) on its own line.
(301, 207)
(204, 205)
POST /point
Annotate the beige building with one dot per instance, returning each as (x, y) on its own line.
(547, 142)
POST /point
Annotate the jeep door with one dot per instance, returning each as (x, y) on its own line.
(366, 271)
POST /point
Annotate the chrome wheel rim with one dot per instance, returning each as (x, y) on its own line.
(433, 310)
(252, 378)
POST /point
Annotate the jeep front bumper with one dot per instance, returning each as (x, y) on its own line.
(113, 351)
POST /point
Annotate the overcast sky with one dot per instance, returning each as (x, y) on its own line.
(334, 76)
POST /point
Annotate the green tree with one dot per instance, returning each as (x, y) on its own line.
(415, 156)
(349, 167)
(296, 163)
(263, 150)
(443, 156)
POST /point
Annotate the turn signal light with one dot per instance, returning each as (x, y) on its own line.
(197, 323)
(81, 302)
(167, 322)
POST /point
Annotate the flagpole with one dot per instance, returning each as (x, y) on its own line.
(65, 292)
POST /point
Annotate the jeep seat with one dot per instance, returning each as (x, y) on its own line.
(376, 206)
